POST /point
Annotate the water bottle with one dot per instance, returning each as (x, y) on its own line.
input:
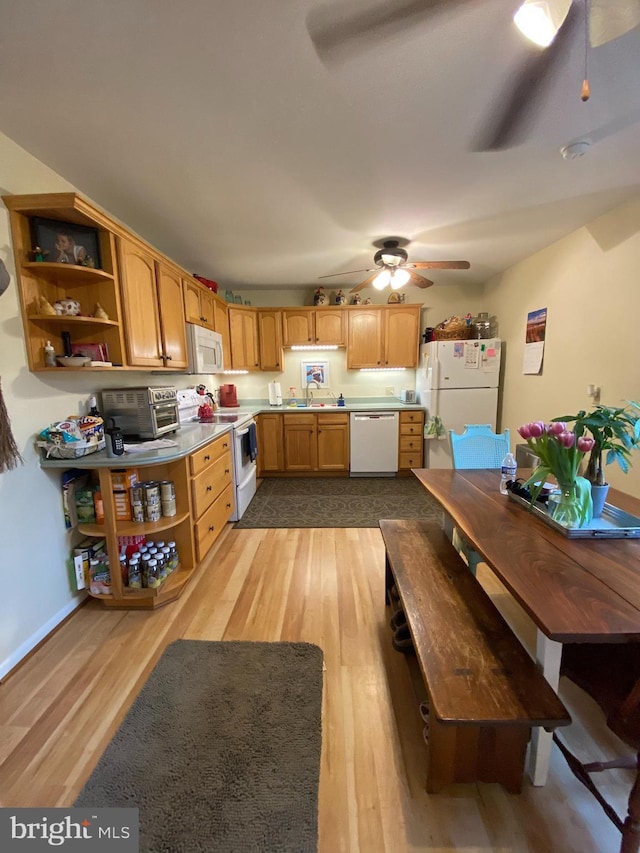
(509, 469)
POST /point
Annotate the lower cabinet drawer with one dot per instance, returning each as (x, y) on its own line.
(411, 443)
(206, 487)
(410, 460)
(209, 527)
(202, 458)
(411, 429)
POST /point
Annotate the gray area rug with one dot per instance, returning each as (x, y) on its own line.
(221, 750)
(337, 502)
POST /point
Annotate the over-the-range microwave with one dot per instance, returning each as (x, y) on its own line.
(205, 350)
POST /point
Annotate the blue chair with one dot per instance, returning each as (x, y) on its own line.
(477, 447)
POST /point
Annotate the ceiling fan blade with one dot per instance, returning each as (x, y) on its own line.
(439, 265)
(419, 280)
(349, 272)
(364, 283)
(333, 32)
(610, 19)
(505, 127)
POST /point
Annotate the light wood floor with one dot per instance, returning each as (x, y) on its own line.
(59, 710)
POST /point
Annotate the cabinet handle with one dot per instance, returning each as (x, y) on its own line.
(226, 470)
(228, 505)
(169, 357)
(207, 458)
(211, 528)
(209, 488)
(224, 445)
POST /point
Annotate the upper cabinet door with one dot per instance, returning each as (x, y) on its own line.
(364, 342)
(140, 303)
(172, 318)
(298, 327)
(330, 326)
(221, 325)
(243, 329)
(270, 339)
(402, 330)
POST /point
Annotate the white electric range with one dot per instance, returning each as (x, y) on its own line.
(244, 445)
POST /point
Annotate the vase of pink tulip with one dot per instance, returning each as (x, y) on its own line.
(560, 452)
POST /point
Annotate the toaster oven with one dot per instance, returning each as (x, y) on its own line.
(142, 412)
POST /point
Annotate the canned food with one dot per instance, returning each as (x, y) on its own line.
(137, 494)
(167, 490)
(151, 492)
(169, 507)
(137, 512)
(152, 512)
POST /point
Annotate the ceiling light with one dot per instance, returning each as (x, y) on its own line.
(576, 149)
(540, 20)
(382, 280)
(398, 279)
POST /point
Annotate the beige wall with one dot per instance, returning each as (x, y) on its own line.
(589, 283)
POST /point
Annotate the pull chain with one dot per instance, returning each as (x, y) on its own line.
(585, 92)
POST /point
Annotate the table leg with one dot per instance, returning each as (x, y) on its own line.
(548, 656)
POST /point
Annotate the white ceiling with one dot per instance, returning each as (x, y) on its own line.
(213, 129)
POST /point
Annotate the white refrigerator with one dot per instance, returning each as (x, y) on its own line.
(457, 383)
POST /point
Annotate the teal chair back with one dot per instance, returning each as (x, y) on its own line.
(478, 447)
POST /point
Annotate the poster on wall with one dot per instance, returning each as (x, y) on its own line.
(534, 341)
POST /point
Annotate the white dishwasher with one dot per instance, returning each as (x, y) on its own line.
(374, 444)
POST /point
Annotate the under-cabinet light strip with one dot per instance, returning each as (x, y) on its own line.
(315, 347)
(379, 369)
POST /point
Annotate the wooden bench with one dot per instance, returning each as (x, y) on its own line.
(485, 692)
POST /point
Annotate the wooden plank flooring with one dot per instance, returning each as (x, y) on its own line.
(325, 586)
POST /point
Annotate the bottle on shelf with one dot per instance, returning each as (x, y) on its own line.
(93, 407)
(292, 396)
(49, 355)
(509, 469)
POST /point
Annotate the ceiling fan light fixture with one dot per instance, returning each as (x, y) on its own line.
(540, 20)
(382, 280)
(398, 279)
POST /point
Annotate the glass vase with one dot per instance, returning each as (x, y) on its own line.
(572, 504)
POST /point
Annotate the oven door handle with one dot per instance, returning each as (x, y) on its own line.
(241, 432)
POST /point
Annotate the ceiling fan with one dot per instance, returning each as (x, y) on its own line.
(392, 269)
(336, 34)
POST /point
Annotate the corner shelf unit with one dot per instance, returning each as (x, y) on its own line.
(54, 281)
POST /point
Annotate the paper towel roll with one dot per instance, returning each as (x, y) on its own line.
(275, 394)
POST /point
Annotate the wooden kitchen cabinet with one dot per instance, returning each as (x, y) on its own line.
(41, 282)
(211, 491)
(333, 441)
(383, 336)
(411, 440)
(221, 326)
(271, 443)
(314, 326)
(198, 304)
(270, 340)
(316, 443)
(177, 528)
(243, 332)
(151, 295)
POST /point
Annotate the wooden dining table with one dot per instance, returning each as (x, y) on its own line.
(574, 590)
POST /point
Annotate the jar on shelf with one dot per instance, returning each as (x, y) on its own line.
(484, 326)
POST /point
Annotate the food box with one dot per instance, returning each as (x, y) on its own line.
(124, 478)
(85, 508)
(122, 503)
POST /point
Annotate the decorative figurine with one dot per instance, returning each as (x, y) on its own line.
(355, 299)
(367, 301)
(319, 297)
(100, 313)
(67, 306)
(44, 307)
(340, 298)
(39, 253)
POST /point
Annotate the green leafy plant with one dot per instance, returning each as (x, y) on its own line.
(615, 431)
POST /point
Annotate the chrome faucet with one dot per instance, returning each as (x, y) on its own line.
(309, 393)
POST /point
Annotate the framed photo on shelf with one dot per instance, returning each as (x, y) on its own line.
(66, 242)
(315, 370)
(96, 352)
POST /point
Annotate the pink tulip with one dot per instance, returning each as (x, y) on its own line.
(585, 444)
(525, 430)
(557, 427)
(536, 429)
(567, 439)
